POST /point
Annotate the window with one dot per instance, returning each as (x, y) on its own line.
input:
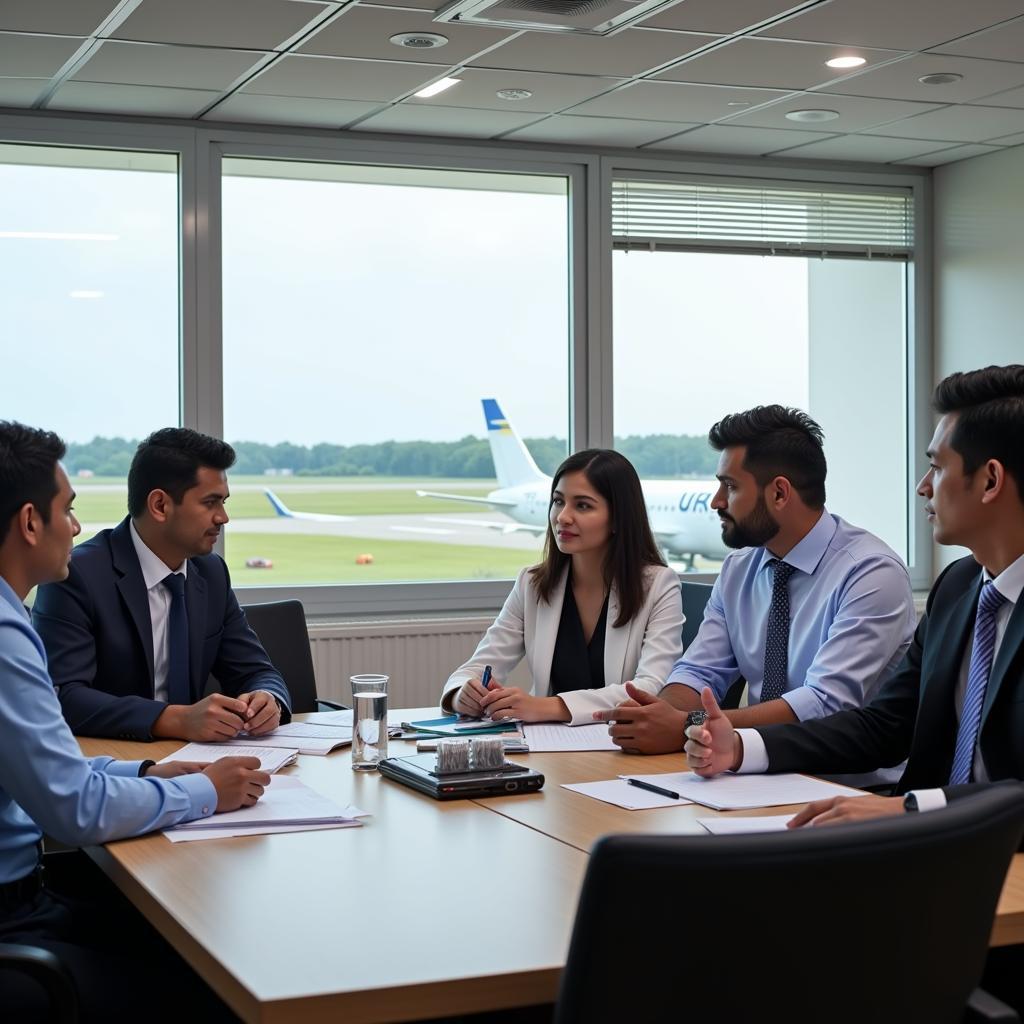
(368, 312)
(89, 290)
(729, 296)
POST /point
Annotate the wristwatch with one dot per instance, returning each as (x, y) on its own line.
(693, 718)
(910, 802)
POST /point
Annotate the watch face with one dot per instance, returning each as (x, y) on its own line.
(696, 718)
(910, 802)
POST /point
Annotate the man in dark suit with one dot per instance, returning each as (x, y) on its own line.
(147, 611)
(955, 707)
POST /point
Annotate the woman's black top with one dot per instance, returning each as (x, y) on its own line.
(575, 664)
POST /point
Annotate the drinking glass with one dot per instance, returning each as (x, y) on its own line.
(369, 720)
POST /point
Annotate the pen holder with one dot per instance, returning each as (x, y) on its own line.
(479, 754)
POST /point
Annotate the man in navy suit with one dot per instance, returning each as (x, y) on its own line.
(147, 611)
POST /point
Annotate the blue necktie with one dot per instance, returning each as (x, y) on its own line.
(178, 689)
(776, 644)
(982, 653)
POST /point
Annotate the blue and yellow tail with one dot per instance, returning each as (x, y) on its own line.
(513, 464)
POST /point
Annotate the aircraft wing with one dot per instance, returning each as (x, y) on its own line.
(493, 525)
(464, 497)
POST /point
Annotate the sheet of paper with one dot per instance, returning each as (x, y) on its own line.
(396, 716)
(287, 800)
(550, 736)
(298, 740)
(307, 730)
(353, 814)
(741, 826)
(271, 758)
(622, 794)
(741, 792)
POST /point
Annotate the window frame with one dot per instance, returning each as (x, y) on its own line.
(201, 148)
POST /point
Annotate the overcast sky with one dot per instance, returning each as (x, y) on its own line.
(360, 313)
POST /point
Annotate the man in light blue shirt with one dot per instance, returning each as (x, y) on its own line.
(812, 612)
(45, 782)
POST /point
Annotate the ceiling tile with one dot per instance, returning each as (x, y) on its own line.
(1004, 42)
(855, 113)
(766, 63)
(717, 17)
(21, 92)
(65, 17)
(477, 88)
(596, 131)
(244, 24)
(1011, 98)
(178, 67)
(425, 5)
(24, 56)
(948, 156)
(669, 101)
(336, 78)
(296, 110)
(130, 99)
(900, 80)
(1009, 140)
(900, 24)
(423, 120)
(871, 148)
(959, 124)
(365, 31)
(630, 52)
(725, 139)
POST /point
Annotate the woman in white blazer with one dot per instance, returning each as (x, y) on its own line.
(600, 609)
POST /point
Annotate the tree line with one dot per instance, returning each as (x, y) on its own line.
(654, 455)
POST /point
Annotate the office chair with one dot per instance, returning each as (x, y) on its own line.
(884, 921)
(695, 599)
(49, 972)
(281, 628)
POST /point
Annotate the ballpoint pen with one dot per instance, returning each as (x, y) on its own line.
(653, 789)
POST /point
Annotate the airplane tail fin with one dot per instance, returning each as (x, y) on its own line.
(513, 464)
(279, 506)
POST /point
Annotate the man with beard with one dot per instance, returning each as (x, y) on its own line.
(813, 612)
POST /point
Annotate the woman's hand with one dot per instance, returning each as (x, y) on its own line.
(468, 698)
(503, 702)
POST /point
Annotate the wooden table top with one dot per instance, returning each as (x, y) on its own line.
(378, 923)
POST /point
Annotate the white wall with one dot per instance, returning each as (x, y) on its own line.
(979, 267)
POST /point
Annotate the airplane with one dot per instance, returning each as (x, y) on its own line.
(680, 512)
(314, 517)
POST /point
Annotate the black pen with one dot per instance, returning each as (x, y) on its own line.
(653, 789)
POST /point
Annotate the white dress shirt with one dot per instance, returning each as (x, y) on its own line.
(1009, 583)
(154, 572)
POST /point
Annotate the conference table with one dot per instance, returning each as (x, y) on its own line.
(430, 909)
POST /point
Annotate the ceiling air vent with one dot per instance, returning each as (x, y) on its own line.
(590, 17)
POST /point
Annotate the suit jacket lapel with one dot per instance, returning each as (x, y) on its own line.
(616, 642)
(195, 602)
(1009, 648)
(132, 589)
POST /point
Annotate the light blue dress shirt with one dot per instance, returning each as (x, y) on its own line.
(851, 619)
(46, 785)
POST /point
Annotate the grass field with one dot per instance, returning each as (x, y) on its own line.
(108, 506)
(313, 559)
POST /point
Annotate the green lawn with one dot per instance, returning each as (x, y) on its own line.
(313, 559)
(110, 506)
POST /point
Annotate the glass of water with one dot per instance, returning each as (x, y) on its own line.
(369, 721)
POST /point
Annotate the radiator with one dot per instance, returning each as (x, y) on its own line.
(418, 655)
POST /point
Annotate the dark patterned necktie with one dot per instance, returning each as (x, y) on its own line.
(178, 689)
(982, 652)
(776, 644)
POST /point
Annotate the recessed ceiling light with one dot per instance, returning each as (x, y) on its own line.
(846, 62)
(419, 40)
(942, 78)
(738, 103)
(83, 293)
(513, 95)
(433, 90)
(812, 116)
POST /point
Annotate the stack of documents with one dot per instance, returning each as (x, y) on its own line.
(459, 725)
(543, 737)
(271, 758)
(742, 826)
(287, 805)
(730, 792)
(303, 737)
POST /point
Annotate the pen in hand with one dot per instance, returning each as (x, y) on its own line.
(485, 682)
(653, 789)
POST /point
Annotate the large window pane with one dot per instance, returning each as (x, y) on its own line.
(89, 292)
(699, 335)
(367, 312)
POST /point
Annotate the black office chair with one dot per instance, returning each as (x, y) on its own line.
(47, 970)
(884, 922)
(695, 599)
(281, 627)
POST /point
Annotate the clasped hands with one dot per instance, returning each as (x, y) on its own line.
(499, 702)
(218, 717)
(649, 725)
